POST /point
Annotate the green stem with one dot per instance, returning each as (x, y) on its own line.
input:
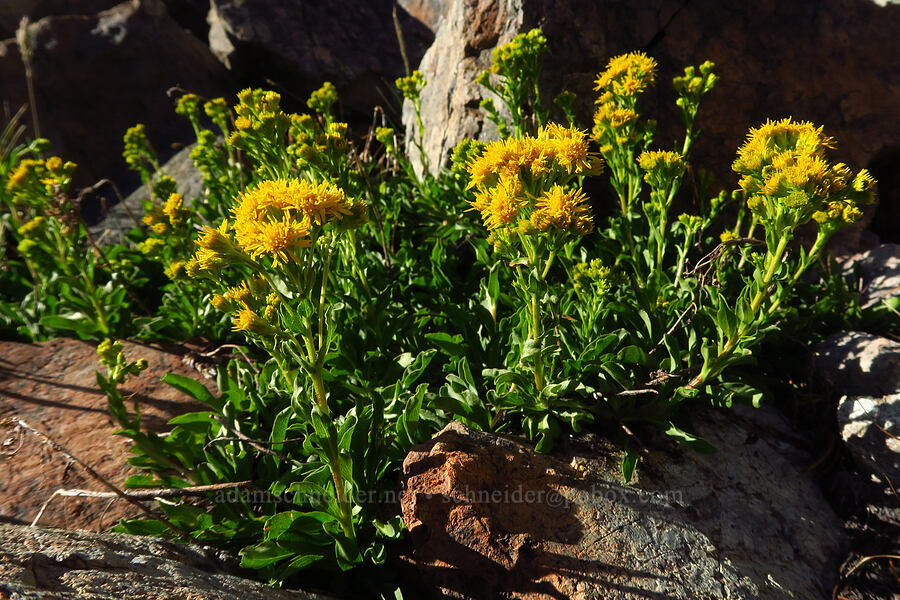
(718, 364)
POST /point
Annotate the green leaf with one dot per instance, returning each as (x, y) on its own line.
(194, 389)
(632, 355)
(415, 369)
(452, 345)
(262, 555)
(629, 463)
(696, 443)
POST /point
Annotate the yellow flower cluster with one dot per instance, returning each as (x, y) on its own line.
(517, 181)
(594, 276)
(626, 75)
(245, 302)
(556, 150)
(171, 214)
(661, 166)
(785, 171)
(258, 113)
(625, 78)
(34, 181)
(275, 219)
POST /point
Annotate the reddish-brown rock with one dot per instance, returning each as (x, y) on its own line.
(490, 518)
(52, 387)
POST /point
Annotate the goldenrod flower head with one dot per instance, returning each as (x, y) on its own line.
(217, 240)
(411, 86)
(568, 146)
(217, 109)
(247, 320)
(323, 98)
(33, 227)
(276, 239)
(627, 74)
(593, 275)
(173, 209)
(243, 123)
(108, 351)
(221, 303)
(555, 147)
(863, 181)
(786, 174)
(501, 207)
(54, 164)
(661, 167)
(160, 228)
(519, 57)
(151, 245)
(26, 173)
(204, 262)
(241, 295)
(726, 236)
(564, 209)
(385, 135)
(188, 106)
(690, 222)
(175, 270)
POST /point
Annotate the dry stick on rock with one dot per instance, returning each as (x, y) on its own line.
(19, 423)
(145, 494)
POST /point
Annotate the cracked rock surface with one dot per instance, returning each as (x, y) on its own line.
(54, 564)
(490, 518)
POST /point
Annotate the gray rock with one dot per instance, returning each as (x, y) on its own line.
(299, 45)
(879, 269)
(821, 62)
(55, 564)
(450, 101)
(95, 76)
(870, 428)
(856, 364)
(490, 518)
(122, 217)
(12, 11)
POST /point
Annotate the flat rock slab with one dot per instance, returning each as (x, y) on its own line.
(53, 564)
(490, 518)
(52, 387)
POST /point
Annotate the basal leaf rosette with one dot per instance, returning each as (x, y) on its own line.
(788, 179)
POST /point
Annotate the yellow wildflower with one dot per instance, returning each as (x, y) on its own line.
(627, 74)
(503, 206)
(564, 209)
(247, 320)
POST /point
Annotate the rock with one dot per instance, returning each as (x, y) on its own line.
(121, 218)
(870, 428)
(53, 564)
(95, 76)
(491, 518)
(300, 45)
(879, 270)
(821, 62)
(12, 11)
(856, 364)
(429, 12)
(52, 387)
